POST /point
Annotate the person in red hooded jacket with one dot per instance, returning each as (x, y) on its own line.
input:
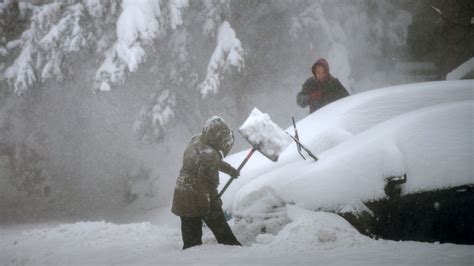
(321, 88)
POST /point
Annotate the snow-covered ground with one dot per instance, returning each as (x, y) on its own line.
(423, 130)
(311, 238)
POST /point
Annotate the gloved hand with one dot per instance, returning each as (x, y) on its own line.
(315, 95)
(234, 173)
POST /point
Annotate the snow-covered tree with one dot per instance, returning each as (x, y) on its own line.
(123, 36)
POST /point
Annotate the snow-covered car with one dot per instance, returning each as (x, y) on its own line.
(396, 162)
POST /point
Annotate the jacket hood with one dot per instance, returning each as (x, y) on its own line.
(321, 62)
(218, 135)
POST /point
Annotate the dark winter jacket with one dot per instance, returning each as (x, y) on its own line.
(196, 186)
(318, 94)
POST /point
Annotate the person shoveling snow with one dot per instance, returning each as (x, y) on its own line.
(195, 196)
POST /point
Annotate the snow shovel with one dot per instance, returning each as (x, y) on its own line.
(264, 135)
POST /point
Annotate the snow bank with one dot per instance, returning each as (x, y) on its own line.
(261, 212)
(328, 231)
(310, 238)
(87, 243)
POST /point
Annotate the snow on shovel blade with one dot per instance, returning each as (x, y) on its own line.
(264, 134)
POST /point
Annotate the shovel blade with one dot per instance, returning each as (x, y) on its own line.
(263, 134)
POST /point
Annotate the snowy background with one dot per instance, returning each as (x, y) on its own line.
(98, 99)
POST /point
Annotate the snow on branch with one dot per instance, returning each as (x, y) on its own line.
(228, 53)
(137, 25)
(214, 11)
(179, 40)
(175, 7)
(66, 36)
(102, 9)
(112, 70)
(450, 20)
(150, 127)
(21, 74)
(55, 31)
(437, 10)
(313, 18)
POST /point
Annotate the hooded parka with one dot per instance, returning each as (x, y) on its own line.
(195, 194)
(327, 92)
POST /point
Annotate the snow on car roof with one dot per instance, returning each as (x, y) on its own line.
(418, 129)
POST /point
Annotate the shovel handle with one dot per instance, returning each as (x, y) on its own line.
(247, 158)
(240, 168)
